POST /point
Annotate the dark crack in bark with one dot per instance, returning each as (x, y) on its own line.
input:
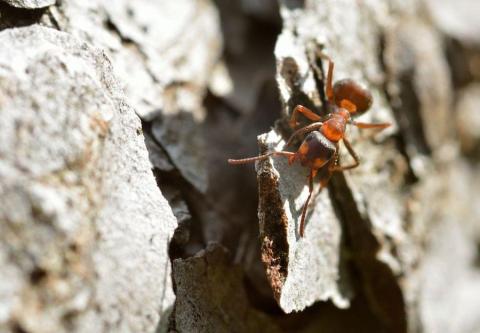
(401, 138)
(378, 282)
(12, 17)
(211, 296)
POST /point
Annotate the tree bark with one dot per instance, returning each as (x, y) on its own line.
(119, 213)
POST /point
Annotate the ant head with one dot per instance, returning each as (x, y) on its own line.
(351, 96)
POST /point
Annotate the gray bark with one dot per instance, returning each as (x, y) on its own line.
(30, 4)
(84, 226)
(95, 95)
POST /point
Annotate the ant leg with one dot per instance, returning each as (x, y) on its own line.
(304, 130)
(291, 157)
(306, 112)
(323, 181)
(352, 153)
(370, 125)
(305, 205)
(329, 84)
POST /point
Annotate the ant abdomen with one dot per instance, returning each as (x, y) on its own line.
(352, 96)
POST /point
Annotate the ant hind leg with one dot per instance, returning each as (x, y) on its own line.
(371, 125)
(329, 83)
(306, 112)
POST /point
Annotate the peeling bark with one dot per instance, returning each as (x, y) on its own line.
(369, 207)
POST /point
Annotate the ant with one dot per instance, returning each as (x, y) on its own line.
(319, 149)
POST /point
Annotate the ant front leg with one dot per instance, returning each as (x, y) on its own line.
(306, 112)
(304, 130)
(352, 153)
(305, 205)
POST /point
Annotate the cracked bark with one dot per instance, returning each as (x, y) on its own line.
(369, 207)
(85, 231)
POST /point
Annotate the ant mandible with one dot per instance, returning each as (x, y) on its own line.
(320, 147)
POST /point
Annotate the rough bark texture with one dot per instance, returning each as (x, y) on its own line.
(30, 4)
(211, 296)
(84, 226)
(94, 95)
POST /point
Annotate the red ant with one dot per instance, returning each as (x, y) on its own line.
(319, 149)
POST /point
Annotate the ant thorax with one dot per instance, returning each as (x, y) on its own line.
(334, 127)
